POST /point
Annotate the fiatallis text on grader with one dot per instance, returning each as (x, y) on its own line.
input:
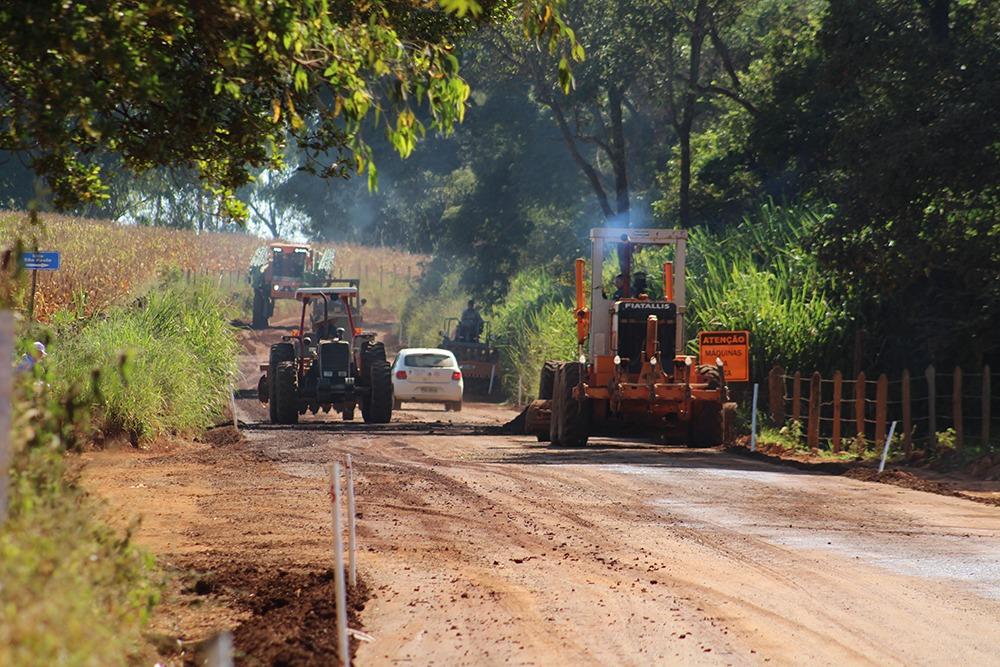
(636, 379)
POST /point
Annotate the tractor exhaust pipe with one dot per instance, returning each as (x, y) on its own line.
(651, 342)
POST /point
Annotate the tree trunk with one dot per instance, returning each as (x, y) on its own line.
(698, 29)
(592, 176)
(618, 161)
(684, 137)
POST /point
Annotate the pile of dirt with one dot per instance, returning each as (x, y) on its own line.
(292, 615)
(860, 470)
(516, 425)
(900, 478)
(222, 436)
(985, 468)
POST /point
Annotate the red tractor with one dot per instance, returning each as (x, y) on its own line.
(278, 269)
(637, 379)
(337, 369)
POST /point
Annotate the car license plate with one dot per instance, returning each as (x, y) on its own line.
(429, 390)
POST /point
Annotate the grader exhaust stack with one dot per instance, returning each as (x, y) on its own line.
(636, 378)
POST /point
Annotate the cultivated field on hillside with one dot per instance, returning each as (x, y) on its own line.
(104, 263)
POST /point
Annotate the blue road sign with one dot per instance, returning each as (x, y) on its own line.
(40, 261)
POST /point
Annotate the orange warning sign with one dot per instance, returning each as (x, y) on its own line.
(733, 347)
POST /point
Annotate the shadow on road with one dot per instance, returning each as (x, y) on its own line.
(394, 428)
(645, 454)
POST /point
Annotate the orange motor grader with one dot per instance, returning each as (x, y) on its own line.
(636, 379)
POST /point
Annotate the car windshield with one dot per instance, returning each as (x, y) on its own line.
(428, 360)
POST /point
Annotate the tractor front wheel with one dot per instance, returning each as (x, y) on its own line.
(570, 422)
(279, 352)
(260, 310)
(285, 397)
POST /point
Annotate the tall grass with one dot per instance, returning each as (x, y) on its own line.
(426, 309)
(167, 365)
(533, 324)
(760, 277)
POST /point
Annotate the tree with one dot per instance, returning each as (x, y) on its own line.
(599, 120)
(890, 113)
(222, 87)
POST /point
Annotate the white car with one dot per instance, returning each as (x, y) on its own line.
(427, 375)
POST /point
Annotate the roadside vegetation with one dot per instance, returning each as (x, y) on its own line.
(758, 275)
(74, 590)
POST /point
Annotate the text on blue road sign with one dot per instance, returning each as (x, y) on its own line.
(40, 261)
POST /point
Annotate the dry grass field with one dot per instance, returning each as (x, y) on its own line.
(104, 263)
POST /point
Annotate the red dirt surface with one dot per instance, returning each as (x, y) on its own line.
(480, 547)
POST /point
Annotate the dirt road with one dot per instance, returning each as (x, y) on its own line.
(483, 548)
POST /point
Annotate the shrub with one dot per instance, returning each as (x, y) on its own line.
(74, 592)
(168, 363)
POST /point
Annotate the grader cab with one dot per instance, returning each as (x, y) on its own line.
(635, 379)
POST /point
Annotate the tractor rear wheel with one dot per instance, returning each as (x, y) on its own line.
(260, 310)
(279, 352)
(286, 394)
(707, 429)
(379, 402)
(570, 422)
(348, 414)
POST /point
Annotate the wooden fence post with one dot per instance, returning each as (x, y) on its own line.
(838, 388)
(776, 391)
(986, 405)
(815, 392)
(956, 400)
(860, 389)
(907, 414)
(881, 407)
(931, 376)
(776, 383)
(797, 397)
(6, 398)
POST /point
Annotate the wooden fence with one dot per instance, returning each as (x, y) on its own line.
(841, 409)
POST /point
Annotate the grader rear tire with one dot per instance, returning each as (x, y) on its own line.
(570, 422)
